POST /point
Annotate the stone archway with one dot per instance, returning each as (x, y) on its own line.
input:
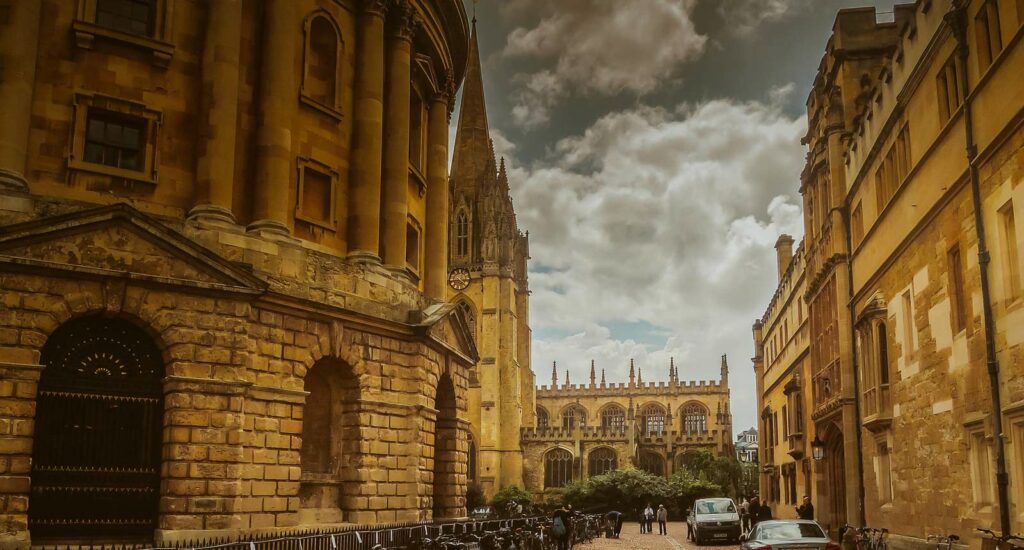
(835, 479)
(330, 419)
(446, 455)
(99, 433)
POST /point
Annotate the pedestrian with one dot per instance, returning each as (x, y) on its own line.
(753, 512)
(614, 523)
(764, 513)
(662, 519)
(745, 515)
(519, 509)
(648, 518)
(805, 510)
(561, 528)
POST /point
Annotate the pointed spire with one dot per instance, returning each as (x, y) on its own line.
(593, 378)
(640, 376)
(554, 374)
(671, 369)
(473, 150)
(632, 373)
(602, 378)
(725, 370)
(567, 382)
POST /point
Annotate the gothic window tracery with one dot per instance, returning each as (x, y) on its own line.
(542, 418)
(557, 468)
(462, 234)
(652, 463)
(602, 461)
(574, 416)
(653, 420)
(613, 417)
(695, 419)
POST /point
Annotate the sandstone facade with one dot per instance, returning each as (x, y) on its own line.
(241, 209)
(915, 127)
(587, 429)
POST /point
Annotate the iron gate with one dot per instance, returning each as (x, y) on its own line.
(99, 419)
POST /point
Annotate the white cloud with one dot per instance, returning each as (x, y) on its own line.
(597, 46)
(745, 16)
(666, 217)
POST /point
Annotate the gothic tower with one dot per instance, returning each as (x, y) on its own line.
(487, 261)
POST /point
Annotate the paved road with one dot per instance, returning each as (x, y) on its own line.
(632, 539)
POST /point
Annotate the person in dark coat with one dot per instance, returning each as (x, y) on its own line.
(614, 519)
(805, 510)
(754, 511)
(565, 514)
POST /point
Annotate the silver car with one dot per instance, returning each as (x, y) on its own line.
(792, 534)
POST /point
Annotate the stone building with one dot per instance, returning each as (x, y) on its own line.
(488, 282)
(585, 430)
(913, 270)
(223, 267)
(746, 446)
(782, 369)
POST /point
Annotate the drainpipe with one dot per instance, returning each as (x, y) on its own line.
(958, 22)
(845, 212)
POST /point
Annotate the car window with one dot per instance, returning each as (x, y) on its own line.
(715, 507)
(789, 531)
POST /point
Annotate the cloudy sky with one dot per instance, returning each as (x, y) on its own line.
(654, 154)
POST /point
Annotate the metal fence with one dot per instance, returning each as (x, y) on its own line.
(352, 537)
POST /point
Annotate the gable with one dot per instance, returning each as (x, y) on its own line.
(120, 241)
(445, 324)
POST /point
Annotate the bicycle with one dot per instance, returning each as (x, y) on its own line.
(1003, 542)
(947, 540)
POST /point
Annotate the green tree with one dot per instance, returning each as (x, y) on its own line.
(508, 494)
(724, 471)
(686, 487)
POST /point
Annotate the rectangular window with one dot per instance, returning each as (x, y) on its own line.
(412, 247)
(416, 132)
(908, 325)
(986, 34)
(1011, 258)
(883, 469)
(857, 224)
(113, 140)
(785, 422)
(315, 200)
(957, 297)
(981, 468)
(130, 16)
(948, 81)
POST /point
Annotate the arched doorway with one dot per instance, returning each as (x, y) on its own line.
(329, 419)
(446, 434)
(835, 471)
(98, 434)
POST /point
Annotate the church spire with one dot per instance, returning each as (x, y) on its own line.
(473, 153)
(554, 374)
(593, 378)
(632, 374)
(602, 378)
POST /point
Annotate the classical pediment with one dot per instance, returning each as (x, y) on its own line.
(446, 325)
(119, 241)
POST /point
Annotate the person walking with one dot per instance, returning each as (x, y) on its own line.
(753, 512)
(745, 515)
(562, 527)
(805, 510)
(662, 520)
(614, 523)
(648, 518)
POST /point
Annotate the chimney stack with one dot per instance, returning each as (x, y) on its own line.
(784, 253)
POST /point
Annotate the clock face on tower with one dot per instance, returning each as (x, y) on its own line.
(458, 278)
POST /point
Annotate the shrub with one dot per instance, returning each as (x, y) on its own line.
(474, 497)
(508, 494)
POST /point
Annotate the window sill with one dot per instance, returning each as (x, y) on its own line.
(86, 33)
(318, 106)
(110, 171)
(322, 224)
(879, 422)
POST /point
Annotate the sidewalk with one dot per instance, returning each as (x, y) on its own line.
(632, 539)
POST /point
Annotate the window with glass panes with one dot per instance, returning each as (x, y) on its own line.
(114, 141)
(130, 16)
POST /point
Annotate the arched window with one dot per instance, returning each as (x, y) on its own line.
(653, 418)
(695, 419)
(574, 416)
(613, 417)
(652, 463)
(320, 73)
(602, 461)
(446, 497)
(471, 459)
(542, 418)
(462, 234)
(557, 468)
(315, 455)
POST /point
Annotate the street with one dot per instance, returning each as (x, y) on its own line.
(632, 539)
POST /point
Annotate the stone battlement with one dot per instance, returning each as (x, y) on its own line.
(626, 389)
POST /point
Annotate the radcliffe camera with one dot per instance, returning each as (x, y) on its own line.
(511, 274)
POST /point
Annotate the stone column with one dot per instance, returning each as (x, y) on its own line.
(19, 40)
(365, 195)
(276, 108)
(436, 264)
(396, 135)
(215, 169)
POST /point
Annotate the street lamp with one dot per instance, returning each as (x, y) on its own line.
(818, 448)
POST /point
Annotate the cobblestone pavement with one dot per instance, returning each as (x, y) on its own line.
(632, 539)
